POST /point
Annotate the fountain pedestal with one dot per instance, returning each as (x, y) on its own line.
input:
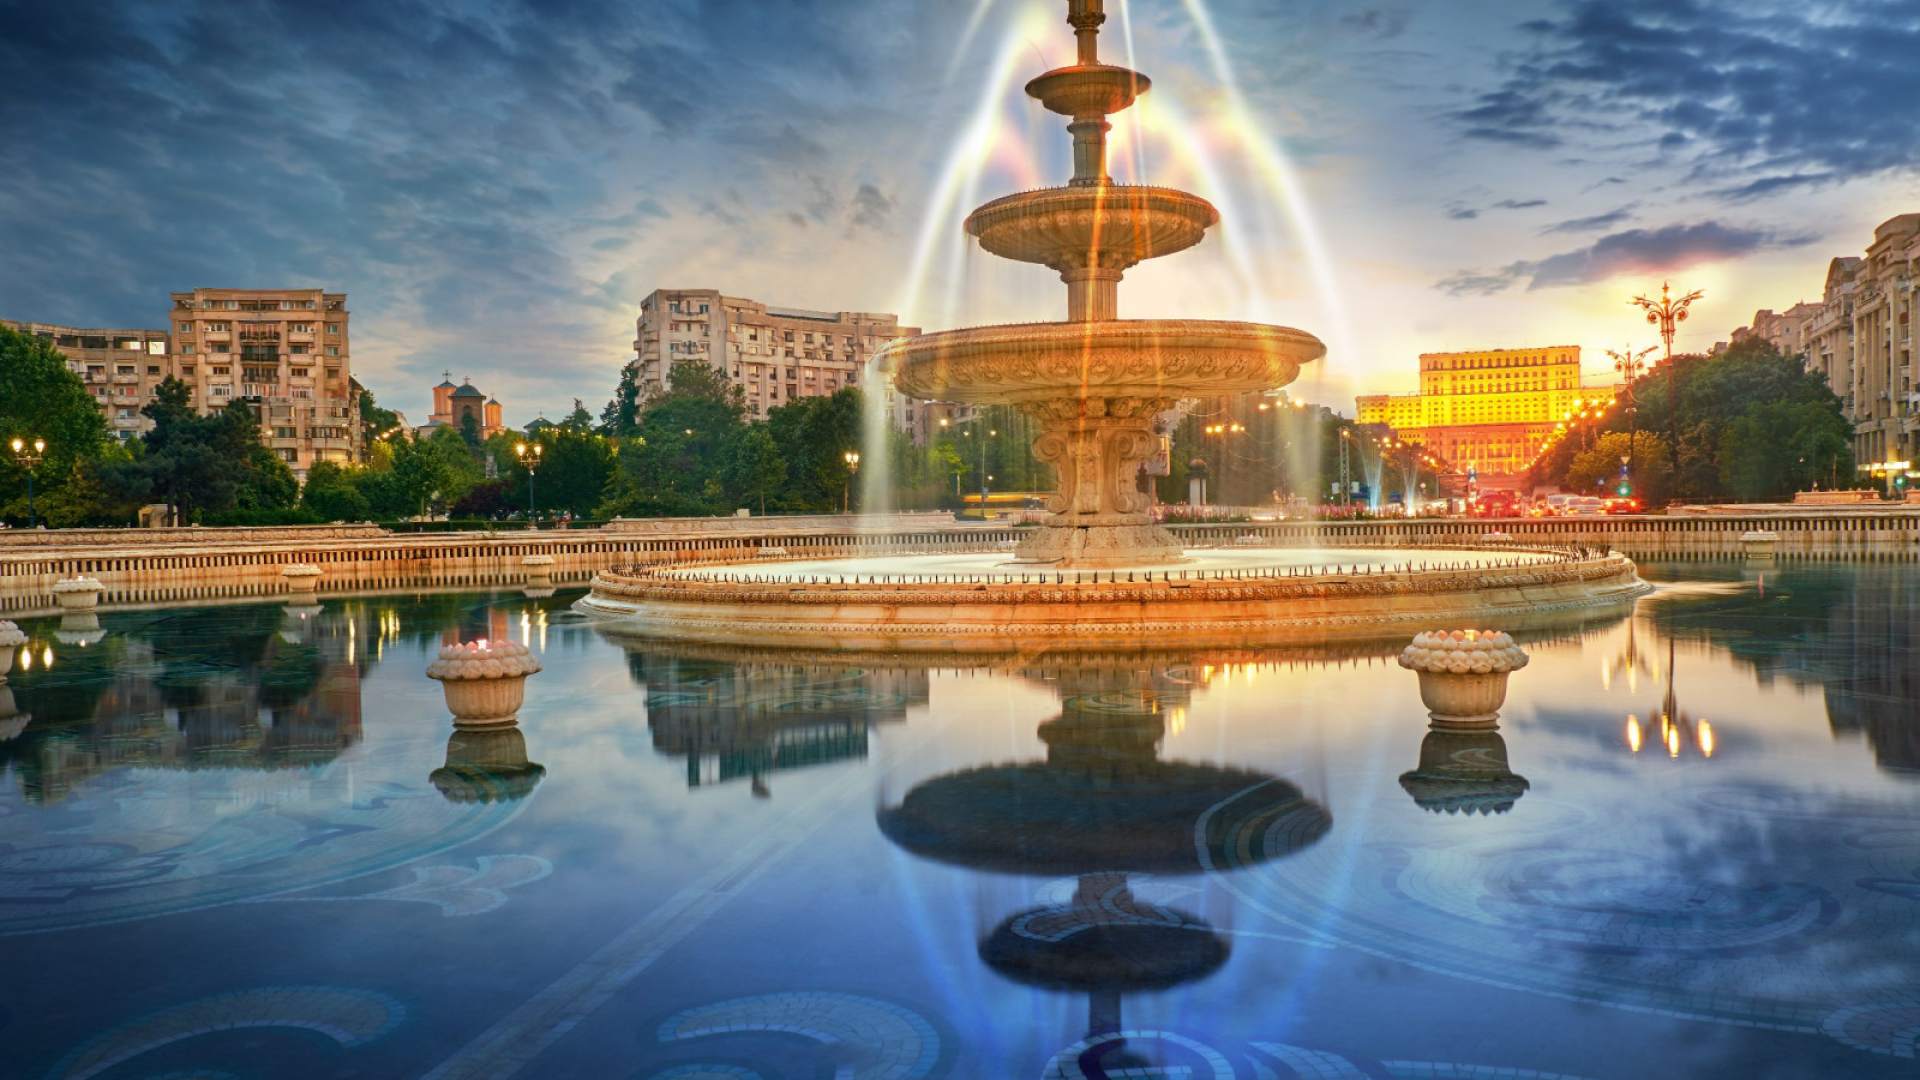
(1097, 516)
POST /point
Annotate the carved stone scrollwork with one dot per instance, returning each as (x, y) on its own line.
(1098, 514)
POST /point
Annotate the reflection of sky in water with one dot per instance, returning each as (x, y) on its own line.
(220, 850)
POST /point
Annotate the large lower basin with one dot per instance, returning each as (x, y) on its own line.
(981, 604)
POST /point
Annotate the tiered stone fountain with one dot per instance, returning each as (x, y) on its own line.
(1095, 382)
(1098, 572)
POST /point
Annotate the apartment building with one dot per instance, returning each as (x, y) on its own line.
(1859, 337)
(774, 354)
(120, 367)
(1491, 409)
(283, 351)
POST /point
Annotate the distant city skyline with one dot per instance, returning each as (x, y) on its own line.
(498, 187)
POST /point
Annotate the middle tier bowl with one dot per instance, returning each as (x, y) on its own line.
(1024, 363)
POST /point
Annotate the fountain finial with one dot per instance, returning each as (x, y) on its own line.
(1085, 16)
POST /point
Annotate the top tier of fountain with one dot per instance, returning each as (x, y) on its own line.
(1096, 382)
(1093, 229)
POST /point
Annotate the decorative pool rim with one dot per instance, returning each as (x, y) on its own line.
(969, 613)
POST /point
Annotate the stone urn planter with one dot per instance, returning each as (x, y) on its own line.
(1463, 675)
(1758, 543)
(10, 641)
(1496, 537)
(78, 593)
(484, 681)
(539, 569)
(301, 578)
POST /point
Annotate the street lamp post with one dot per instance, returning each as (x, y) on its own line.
(852, 458)
(1346, 482)
(529, 455)
(1630, 364)
(1668, 313)
(984, 478)
(29, 453)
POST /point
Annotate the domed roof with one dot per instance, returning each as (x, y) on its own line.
(467, 390)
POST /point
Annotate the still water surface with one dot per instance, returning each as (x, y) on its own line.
(238, 841)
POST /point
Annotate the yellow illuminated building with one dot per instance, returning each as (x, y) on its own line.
(1491, 409)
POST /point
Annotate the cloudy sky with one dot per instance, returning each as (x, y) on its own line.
(498, 183)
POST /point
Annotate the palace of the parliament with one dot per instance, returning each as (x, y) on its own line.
(1490, 409)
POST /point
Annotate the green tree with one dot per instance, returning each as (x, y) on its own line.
(684, 436)
(1752, 424)
(374, 420)
(40, 397)
(1596, 471)
(434, 472)
(579, 420)
(1775, 448)
(332, 494)
(814, 435)
(622, 414)
(182, 467)
(470, 430)
(757, 466)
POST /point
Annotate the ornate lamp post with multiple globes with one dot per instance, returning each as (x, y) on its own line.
(1668, 313)
(29, 453)
(529, 455)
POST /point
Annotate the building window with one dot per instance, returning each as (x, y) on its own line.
(186, 348)
(333, 350)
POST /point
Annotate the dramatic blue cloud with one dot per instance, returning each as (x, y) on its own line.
(1648, 251)
(1756, 97)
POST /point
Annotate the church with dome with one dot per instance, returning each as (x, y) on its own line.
(453, 404)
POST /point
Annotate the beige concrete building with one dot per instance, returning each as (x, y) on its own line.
(121, 368)
(1859, 337)
(285, 352)
(1785, 330)
(774, 354)
(1488, 409)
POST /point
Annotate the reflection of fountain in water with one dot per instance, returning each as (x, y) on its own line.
(1100, 808)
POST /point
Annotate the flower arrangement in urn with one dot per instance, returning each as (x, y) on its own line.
(1463, 675)
(484, 681)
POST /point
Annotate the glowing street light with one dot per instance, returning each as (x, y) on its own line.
(29, 453)
(529, 455)
(852, 458)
